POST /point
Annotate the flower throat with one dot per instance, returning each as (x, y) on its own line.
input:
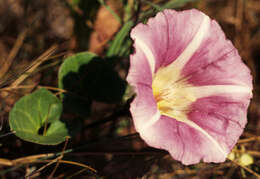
(171, 94)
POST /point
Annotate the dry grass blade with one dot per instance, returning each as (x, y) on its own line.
(6, 65)
(17, 87)
(58, 160)
(27, 71)
(24, 160)
(6, 162)
(44, 57)
(50, 163)
(77, 173)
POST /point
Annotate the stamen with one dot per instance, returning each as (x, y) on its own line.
(173, 96)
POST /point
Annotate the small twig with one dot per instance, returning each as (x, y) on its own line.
(59, 158)
(247, 169)
(251, 139)
(50, 162)
(251, 152)
(77, 164)
(40, 169)
(53, 88)
(58, 55)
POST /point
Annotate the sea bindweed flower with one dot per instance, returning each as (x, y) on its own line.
(192, 88)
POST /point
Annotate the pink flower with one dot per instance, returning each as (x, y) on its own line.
(192, 89)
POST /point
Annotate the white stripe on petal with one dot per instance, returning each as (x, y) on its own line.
(148, 53)
(193, 46)
(152, 121)
(205, 133)
(209, 90)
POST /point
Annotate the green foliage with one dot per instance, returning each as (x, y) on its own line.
(102, 2)
(75, 2)
(35, 118)
(87, 77)
(177, 3)
(72, 64)
(173, 4)
(71, 77)
(115, 48)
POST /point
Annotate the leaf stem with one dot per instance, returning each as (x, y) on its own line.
(46, 122)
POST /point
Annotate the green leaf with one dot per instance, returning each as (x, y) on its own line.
(117, 44)
(87, 77)
(35, 118)
(73, 64)
(72, 78)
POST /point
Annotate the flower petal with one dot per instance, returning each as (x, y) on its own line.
(193, 46)
(223, 118)
(226, 70)
(144, 108)
(184, 142)
(184, 28)
(165, 37)
(152, 39)
(140, 71)
(214, 61)
(193, 52)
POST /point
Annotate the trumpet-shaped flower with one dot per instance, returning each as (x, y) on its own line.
(192, 88)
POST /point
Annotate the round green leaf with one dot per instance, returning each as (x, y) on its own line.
(73, 64)
(71, 77)
(35, 118)
(87, 77)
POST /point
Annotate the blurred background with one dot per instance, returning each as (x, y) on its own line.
(103, 134)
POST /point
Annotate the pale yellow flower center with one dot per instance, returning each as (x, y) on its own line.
(171, 92)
